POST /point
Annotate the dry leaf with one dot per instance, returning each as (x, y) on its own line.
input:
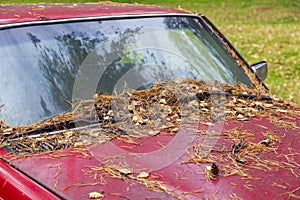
(176, 129)
(125, 171)
(78, 144)
(153, 133)
(212, 171)
(282, 111)
(143, 175)
(208, 123)
(95, 195)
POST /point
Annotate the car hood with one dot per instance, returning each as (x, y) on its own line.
(248, 159)
(15, 13)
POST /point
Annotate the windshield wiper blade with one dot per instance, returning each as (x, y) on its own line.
(53, 127)
(67, 125)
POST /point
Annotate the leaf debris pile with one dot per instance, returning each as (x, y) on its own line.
(131, 113)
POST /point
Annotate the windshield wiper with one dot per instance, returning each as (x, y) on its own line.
(70, 124)
(77, 124)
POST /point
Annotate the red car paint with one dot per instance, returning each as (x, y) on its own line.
(15, 185)
(39, 12)
(69, 171)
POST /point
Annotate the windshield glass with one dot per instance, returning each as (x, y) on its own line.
(44, 67)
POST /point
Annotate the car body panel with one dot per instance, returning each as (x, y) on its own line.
(77, 172)
(15, 185)
(15, 13)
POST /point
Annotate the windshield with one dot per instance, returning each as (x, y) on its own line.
(44, 67)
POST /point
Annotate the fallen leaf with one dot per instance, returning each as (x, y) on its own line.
(153, 133)
(125, 171)
(143, 175)
(95, 195)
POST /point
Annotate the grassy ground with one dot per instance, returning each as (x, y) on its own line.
(261, 30)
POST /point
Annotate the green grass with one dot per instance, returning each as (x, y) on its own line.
(261, 30)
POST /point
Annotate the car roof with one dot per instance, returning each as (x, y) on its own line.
(16, 13)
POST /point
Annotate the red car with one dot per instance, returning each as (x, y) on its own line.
(121, 101)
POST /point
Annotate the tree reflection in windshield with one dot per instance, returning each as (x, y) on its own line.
(43, 61)
(54, 58)
(61, 63)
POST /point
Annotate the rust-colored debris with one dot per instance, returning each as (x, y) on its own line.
(162, 107)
